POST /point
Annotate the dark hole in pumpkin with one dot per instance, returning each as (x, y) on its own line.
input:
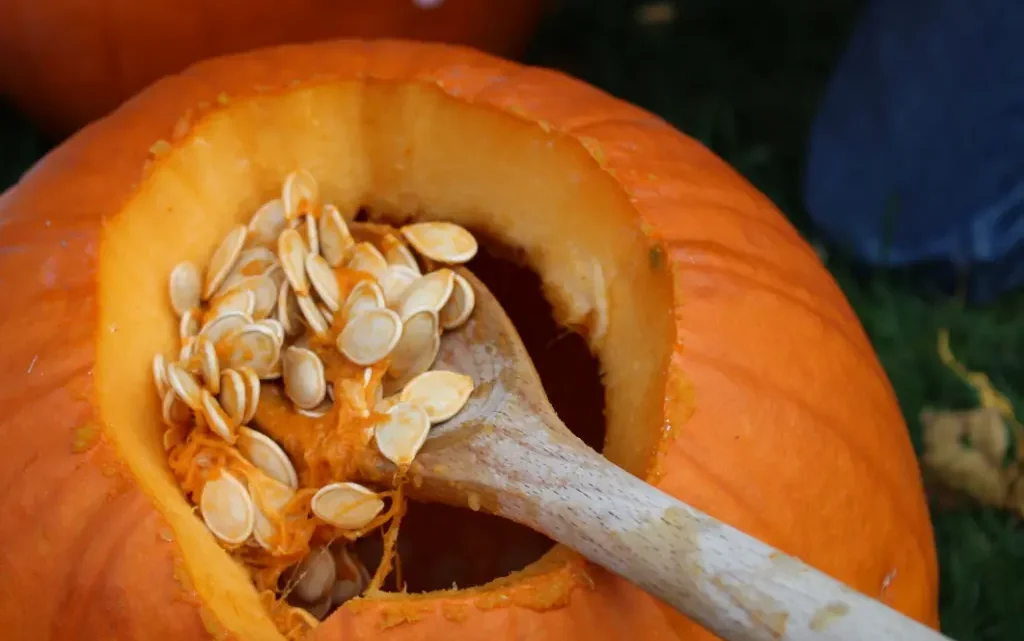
(441, 546)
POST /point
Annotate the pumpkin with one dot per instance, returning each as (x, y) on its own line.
(736, 376)
(68, 64)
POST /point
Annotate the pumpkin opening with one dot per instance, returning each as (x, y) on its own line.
(402, 150)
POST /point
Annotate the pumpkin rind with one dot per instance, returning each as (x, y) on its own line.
(69, 64)
(779, 419)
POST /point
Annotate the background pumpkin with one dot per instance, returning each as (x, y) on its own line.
(737, 377)
(69, 63)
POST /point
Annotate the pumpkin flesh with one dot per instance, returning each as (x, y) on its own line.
(586, 193)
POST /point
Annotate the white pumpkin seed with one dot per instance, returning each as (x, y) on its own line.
(459, 306)
(188, 326)
(255, 346)
(324, 282)
(315, 575)
(303, 374)
(441, 241)
(312, 314)
(288, 313)
(364, 296)
(319, 411)
(233, 396)
(403, 433)
(335, 238)
(300, 194)
(185, 287)
(265, 292)
(209, 367)
(267, 456)
(370, 336)
(252, 392)
(364, 257)
(225, 326)
(255, 261)
(267, 224)
(292, 251)
(220, 423)
(227, 509)
(269, 497)
(430, 291)
(396, 253)
(440, 393)
(234, 300)
(174, 410)
(184, 385)
(394, 281)
(312, 235)
(185, 353)
(223, 259)
(348, 506)
(417, 348)
(326, 313)
(275, 326)
(160, 374)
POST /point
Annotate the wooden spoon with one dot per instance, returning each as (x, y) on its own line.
(508, 453)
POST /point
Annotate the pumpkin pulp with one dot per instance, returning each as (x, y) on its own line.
(367, 148)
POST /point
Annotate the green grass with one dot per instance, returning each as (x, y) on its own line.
(744, 76)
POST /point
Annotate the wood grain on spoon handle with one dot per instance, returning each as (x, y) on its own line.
(736, 586)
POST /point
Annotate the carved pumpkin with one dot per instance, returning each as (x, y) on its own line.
(68, 64)
(737, 377)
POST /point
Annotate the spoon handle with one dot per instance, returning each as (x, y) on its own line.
(734, 585)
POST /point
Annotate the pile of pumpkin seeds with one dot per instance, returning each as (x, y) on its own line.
(246, 321)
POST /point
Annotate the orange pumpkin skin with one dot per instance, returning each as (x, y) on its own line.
(778, 418)
(67, 65)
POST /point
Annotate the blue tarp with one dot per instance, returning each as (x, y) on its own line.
(917, 152)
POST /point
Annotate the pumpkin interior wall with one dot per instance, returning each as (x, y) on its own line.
(399, 149)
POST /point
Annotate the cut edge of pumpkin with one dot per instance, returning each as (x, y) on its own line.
(437, 158)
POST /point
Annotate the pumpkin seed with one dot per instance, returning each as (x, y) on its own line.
(417, 348)
(324, 282)
(441, 241)
(233, 396)
(440, 393)
(364, 257)
(255, 261)
(185, 353)
(335, 238)
(251, 381)
(430, 291)
(394, 281)
(370, 336)
(220, 423)
(292, 251)
(184, 385)
(300, 194)
(185, 287)
(275, 326)
(326, 313)
(403, 433)
(316, 574)
(267, 456)
(188, 326)
(320, 410)
(254, 346)
(269, 497)
(312, 235)
(235, 300)
(265, 292)
(209, 367)
(288, 314)
(224, 326)
(365, 295)
(459, 306)
(348, 570)
(160, 374)
(343, 591)
(397, 254)
(227, 509)
(223, 259)
(348, 506)
(321, 608)
(314, 317)
(174, 410)
(267, 224)
(303, 374)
